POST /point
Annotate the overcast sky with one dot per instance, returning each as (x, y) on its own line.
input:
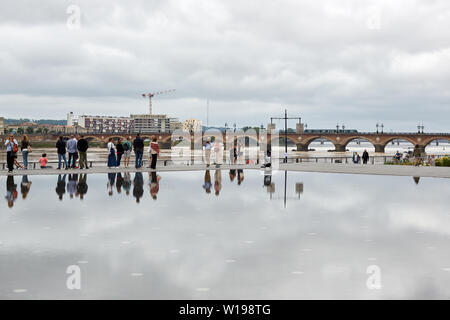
(347, 62)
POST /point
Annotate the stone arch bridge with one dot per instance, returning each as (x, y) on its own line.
(301, 140)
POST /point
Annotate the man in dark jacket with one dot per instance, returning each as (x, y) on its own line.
(365, 157)
(61, 149)
(82, 147)
(138, 145)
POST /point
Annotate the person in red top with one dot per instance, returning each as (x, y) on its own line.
(43, 161)
(154, 152)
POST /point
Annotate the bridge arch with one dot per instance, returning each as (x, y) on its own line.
(93, 138)
(433, 146)
(304, 145)
(411, 143)
(348, 141)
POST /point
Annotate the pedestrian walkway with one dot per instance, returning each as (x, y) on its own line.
(391, 170)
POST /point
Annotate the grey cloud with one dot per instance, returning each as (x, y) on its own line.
(319, 59)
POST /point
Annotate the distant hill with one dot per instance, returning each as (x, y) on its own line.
(40, 121)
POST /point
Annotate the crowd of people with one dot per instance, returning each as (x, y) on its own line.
(72, 152)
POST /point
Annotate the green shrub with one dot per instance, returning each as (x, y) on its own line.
(446, 162)
(443, 162)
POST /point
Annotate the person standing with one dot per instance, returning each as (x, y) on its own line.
(417, 155)
(120, 151)
(112, 162)
(138, 145)
(61, 149)
(26, 149)
(217, 153)
(365, 157)
(82, 147)
(127, 152)
(72, 149)
(11, 152)
(154, 152)
(208, 151)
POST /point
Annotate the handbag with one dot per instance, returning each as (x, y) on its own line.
(15, 148)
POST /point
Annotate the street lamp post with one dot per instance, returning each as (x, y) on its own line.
(285, 118)
(377, 127)
(382, 128)
(418, 128)
(337, 128)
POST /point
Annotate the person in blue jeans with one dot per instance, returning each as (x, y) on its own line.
(138, 145)
(61, 149)
(26, 149)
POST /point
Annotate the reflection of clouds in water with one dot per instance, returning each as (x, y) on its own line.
(292, 257)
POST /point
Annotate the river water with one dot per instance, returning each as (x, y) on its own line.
(219, 235)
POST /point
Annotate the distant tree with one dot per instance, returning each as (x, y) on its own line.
(39, 130)
(30, 130)
(45, 130)
(20, 131)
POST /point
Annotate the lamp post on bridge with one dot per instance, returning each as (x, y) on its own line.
(377, 127)
(382, 128)
(337, 128)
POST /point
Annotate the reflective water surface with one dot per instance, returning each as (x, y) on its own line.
(221, 234)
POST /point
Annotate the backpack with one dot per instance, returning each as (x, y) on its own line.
(15, 147)
(126, 146)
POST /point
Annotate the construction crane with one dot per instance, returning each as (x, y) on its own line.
(151, 95)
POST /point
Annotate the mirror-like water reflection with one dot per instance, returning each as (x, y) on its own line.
(224, 234)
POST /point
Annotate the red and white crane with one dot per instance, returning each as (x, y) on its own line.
(151, 95)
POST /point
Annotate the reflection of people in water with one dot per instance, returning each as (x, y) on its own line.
(72, 185)
(25, 186)
(119, 183)
(232, 175)
(240, 176)
(267, 177)
(61, 186)
(127, 182)
(11, 191)
(82, 186)
(111, 181)
(138, 186)
(154, 184)
(207, 184)
(217, 181)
